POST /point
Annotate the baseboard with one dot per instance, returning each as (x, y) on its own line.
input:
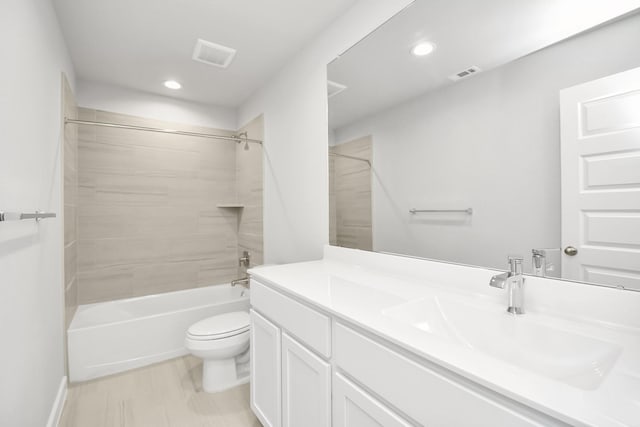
(58, 404)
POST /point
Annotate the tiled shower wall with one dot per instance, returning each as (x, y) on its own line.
(148, 213)
(350, 195)
(70, 178)
(249, 190)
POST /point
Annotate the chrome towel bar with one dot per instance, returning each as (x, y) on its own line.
(468, 211)
(16, 216)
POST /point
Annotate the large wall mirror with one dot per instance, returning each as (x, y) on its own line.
(466, 131)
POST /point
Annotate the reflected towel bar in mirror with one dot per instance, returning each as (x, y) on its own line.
(16, 216)
(468, 211)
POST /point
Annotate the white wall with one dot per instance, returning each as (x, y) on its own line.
(492, 143)
(100, 96)
(31, 289)
(294, 103)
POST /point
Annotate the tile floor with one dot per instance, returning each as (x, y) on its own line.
(168, 394)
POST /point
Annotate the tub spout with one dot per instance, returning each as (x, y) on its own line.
(244, 281)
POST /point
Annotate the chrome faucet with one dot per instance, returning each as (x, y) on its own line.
(514, 282)
(244, 281)
(244, 262)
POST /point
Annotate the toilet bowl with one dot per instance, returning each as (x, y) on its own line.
(221, 342)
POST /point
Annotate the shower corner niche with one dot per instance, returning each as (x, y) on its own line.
(230, 205)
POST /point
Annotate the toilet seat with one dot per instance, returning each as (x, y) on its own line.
(220, 326)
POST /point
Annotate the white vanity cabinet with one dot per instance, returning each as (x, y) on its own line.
(311, 369)
(426, 395)
(290, 373)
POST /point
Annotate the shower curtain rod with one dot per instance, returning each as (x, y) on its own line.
(351, 157)
(236, 139)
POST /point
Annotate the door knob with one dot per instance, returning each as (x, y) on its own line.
(571, 251)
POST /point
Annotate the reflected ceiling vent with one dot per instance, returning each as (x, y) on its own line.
(213, 54)
(466, 73)
(334, 88)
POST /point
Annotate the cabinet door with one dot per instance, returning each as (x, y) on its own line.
(353, 407)
(306, 386)
(265, 371)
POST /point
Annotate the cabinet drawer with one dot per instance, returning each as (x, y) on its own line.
(306, 324)
(354, 407)
(422, 394)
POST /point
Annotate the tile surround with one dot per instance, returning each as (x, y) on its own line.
(148, 220)
(70, 201)
(350, 195)
(249, 193)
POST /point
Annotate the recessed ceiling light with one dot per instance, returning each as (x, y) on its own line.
(172, 84)
(422, 49)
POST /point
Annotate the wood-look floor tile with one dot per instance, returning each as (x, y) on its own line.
(168, 394)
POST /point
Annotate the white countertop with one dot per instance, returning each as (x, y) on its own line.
(367, 288)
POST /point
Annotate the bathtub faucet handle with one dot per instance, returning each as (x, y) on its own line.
(245, 259)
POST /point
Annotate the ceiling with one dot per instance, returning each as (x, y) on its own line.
(139, 44)
(380, 71)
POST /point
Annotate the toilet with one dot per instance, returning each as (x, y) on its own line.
(222, 342)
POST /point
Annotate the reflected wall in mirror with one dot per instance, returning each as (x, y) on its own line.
(472, 138)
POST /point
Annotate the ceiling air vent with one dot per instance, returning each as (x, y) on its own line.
(213, 54)
(334, 88)
(465, 73)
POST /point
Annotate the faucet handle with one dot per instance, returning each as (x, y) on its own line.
(245, 259)
(499, 280)
(515, 263)
(539, 252)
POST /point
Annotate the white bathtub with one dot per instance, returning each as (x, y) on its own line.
(109, 337)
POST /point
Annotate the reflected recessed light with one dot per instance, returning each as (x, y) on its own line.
(172, 84)
(422, 49)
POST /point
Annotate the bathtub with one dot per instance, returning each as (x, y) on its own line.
(115, 336)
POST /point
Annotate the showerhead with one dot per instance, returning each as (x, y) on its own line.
(243, 136)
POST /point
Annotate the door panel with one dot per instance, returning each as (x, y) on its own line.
(306, 386)
(265, 371)
(353, 407)
(600, 126)
(611, 112)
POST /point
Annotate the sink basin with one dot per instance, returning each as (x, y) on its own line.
(571, 358)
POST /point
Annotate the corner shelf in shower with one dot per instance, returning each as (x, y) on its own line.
(230, 206)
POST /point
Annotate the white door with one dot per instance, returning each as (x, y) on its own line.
(600, 129)
(265, 371)
(306, 387)
(353, 407)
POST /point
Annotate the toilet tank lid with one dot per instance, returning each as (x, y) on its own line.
(221, 324)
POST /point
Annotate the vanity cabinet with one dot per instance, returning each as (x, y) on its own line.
(290, 376)
(309, 369)
(423, 394)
